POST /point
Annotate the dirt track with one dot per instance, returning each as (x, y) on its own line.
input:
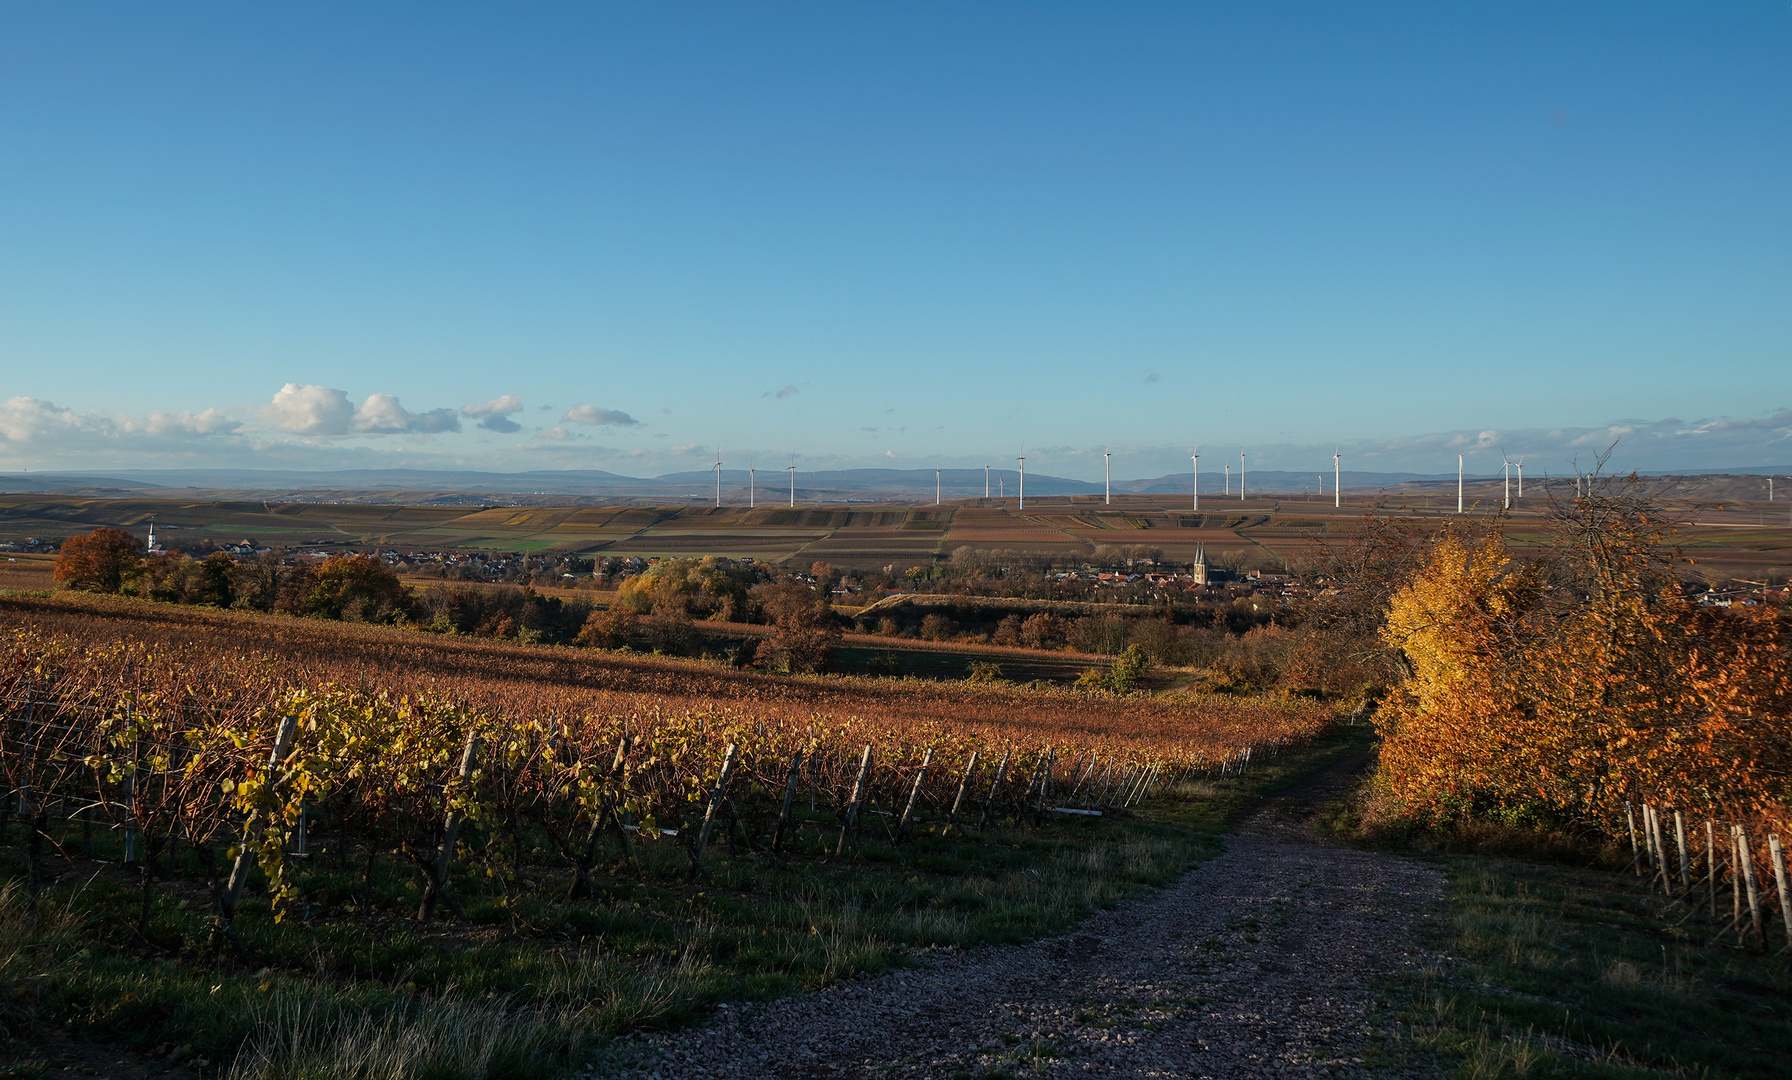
(1255, 965)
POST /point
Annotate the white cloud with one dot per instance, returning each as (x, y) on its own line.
(309, 410)
(185, 424)
(494, 415)
(591, 414)
(325, 412)
(781, 394)
(36, 433)
(32, 420)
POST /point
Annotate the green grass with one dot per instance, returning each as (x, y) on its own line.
(1553, 971)
(530, 985)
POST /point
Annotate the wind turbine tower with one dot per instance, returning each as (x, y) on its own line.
(752, 487)
(793, 485)
(1196, 458)
(1337, 481)
(986, 479)
(718, 481)
(1228, 479)
(936, 487)
(1107, 477)
(1520, 476)
(1241, 476)
(1023, 480)
(1459, 458)
(1506, 477)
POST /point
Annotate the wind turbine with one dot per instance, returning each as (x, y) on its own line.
(1241, 476)
(793, 485)
(1228, 480)
(1107, 477)
(1196, 458)
(986, 479)
(752, 487)
(718, 479)
(1521, 476)
(1459, 458)
(1023, 480)
(936, 487)
(1337, 481)
(1506, 475)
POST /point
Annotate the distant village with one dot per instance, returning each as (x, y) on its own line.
(1135, 580)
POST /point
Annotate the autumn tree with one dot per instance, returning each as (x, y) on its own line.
(104, 560)
(804, 627)
(609, 628)
(709, 588)
(357, 588)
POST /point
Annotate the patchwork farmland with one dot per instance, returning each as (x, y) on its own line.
(1742, 539)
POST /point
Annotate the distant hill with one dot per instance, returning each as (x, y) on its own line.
(459, 487)
(69, 482)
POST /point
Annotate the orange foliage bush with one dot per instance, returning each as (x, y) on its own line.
(1551, 691)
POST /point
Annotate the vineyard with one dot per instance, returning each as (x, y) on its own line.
(232, 775)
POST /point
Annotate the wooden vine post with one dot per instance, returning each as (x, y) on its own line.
(239, 873)
(1779, 881)
(716, 795)
(1754, 895)
(436, 885)
(1711, 864)
(796, 771)
(1636, 855)
(852, 803)
(995, 786)
(958, 799)
(1680, 844)
(605, 813)
(914, 794)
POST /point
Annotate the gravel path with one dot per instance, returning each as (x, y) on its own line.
(1257, 964)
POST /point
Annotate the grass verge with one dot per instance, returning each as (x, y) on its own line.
(531, 986)
(1547, 970)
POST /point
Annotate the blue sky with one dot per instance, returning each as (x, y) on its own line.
(574, 236)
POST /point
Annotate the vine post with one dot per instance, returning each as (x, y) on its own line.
(796, 771)
(914, 794)
(239, 872)
(958, 800)
(1779, 881)
(437, 885)
(852, 803)
(709, 813)
(995, 787)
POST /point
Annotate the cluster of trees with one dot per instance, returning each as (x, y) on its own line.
(1547, 690)
(358, 588)
(665, 601)
(655, 610)
(1190, 634)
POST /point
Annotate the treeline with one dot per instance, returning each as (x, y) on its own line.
(654, 611)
